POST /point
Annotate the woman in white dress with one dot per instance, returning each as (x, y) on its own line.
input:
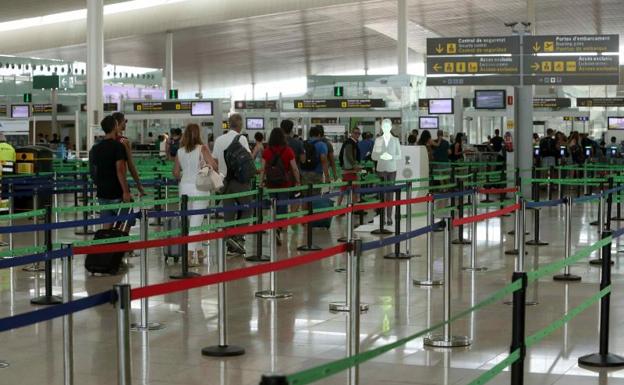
(191, 157)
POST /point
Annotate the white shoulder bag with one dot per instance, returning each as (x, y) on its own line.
(208, 179)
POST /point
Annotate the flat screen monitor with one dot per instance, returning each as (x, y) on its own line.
(490, 99)
(615, 122)
(255, 123)
(428, 122)
(20, 111)
(440, 106)
(201, 109)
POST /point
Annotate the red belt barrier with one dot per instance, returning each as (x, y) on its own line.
(412, 201)
(480, 217)
(498, 190)
(192, 283)
(117, 247)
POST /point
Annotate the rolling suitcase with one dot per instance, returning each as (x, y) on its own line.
(107, 263)
(172, 251)
(321, 204)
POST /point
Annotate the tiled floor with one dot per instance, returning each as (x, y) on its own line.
(293, 334)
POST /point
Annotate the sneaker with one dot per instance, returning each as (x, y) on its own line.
(235, 247)
(389, 222)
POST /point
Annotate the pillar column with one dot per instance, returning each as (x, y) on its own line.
(95, 65)
(168, 63)
(402, 36)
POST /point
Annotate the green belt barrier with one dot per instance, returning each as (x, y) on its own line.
(113, 206)
(496, 204)
(285, 189)
(330, 185)
(311, 375)
(216, 197)
(219, 225)
(567, 181)
(291, 215)
(497, 369)
(166, 234)
(443, 169)
(22, 251)
(367, 181)
(441, 177)
(443, 210)
(484, 173)
(461, 168)
(462, 163)
(326, 209)
(464, 176)
(433, 188)
(27, 214)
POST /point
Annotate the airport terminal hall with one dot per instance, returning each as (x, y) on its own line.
(326, 192)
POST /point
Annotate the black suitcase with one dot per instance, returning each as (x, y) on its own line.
(172, 251)
(107, 263)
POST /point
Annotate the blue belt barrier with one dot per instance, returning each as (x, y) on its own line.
(48, 313)
(288, 202)
(401, 237)
(613, 190)
(68, 224)
(617, 233)
(554, 202)
(209, 210)
(372, 190)
(452, 194)
(5, 263)
(587, 198)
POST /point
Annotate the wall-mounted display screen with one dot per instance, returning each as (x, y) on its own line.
(428, 122)
(440, 106)
(20, 111)
(255, 123)
(490, 99)
(201, 109)
(615, 122)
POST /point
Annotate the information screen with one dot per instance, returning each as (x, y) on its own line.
(490, 99)
(615, 122)
(440, 106)
(20, 111)
(255, 123)
(428, 122)
(201, 109)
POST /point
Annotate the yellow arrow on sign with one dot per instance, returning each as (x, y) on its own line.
(536, 47)
(535, 66)
(436, 67)
(439, 48)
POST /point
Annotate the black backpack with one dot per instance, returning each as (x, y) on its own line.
(311, 159)
(353, 148)
(240, 165)
(276, 174)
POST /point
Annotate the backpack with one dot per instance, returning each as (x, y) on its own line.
(276, 174)
(348, 143)
(240, 166)
(311, 159)
(547, 147)
(174, 145)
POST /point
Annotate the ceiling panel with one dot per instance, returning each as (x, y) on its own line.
(21, 9)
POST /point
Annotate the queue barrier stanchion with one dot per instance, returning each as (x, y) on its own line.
(343, 306)
(518, 319)
(184, 226)
(619, 197)
(11, 211)
(35, 267)
(259, 255)
(309, 246)
(609, 203)
(397, 254)
(350, 200)
(48, 298)
(536, 218)
(273, 293)
(159, 196)
(85, 202)
(124, 359)
(600, 223)
(408, 222)
(567, 244)
(429, 280)
(223, 348)
(604, 359)
(382, 218)
(519, 263)
(447, 339)
(473, 234)
(460, 229)
(144, 323)
(354, 256)
(68, 321)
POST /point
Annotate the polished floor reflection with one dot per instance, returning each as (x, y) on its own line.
(300, 332)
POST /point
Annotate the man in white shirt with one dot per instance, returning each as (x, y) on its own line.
(236, 244)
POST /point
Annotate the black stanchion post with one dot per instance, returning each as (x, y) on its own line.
(184, 226)
(518, 328)
(382, 216)
(619, 197)
(259, 256)
(536, 218)
(85, 202)
(397, 254)
(47, 298)
(609, 203)
(551, 173)
(604, 359)
(460, 229)
(159, 196)
(309, 246)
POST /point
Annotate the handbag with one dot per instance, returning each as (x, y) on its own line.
(208, 179)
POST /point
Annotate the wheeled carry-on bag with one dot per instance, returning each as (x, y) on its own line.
(322, 204)
(108, 263)
(172, 251)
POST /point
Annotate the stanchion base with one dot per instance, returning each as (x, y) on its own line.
(4, 364)
(308, 248)
(269, 294)
(598, 360)
(46, 300)
(461, 242)
(594, 223)
(223, 351)
(3, 244)
(438, 341)
(258, 258)
(567, 277)
(397, 256)
(382, 232)
(434, 282)
(135, 327)
(513, 232)
(476, 268)
(343, 307)
(345, 239)
(536, 242)
(617, 219)
(88, 232)
(597, 262)
(188, 274)
(33, 269)
(511, 252)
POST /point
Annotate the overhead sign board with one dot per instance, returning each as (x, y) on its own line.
(176, 106)
(474, 65)
(600, 102)
(339, 103)
(477, 80)
(552, 102)
(576, 118)
(3, 109)
(473, 45)
(255, 104)
(46, 108)
(108, 107)
(572, 43)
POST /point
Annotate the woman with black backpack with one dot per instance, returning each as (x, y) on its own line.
(279, 169)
